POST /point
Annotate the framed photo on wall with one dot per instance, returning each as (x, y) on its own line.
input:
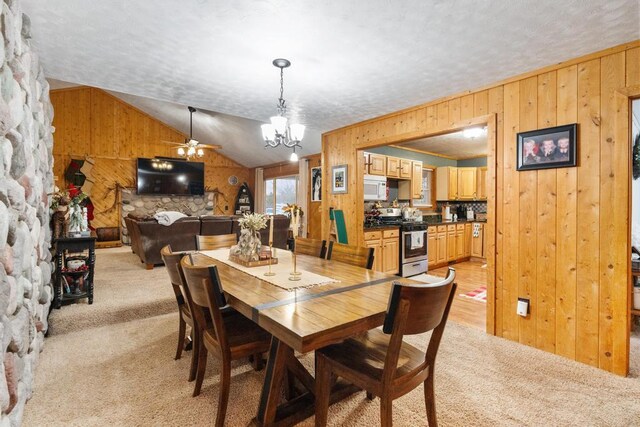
(339, 179)
(554, 147)
(316, 184)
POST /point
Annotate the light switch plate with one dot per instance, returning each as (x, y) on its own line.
(523, 307)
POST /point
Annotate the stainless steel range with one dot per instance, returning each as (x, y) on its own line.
(413, 248)
(413, 241)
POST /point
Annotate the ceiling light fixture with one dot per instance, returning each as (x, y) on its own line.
(473, 132)
(191, 145)
(277, 132)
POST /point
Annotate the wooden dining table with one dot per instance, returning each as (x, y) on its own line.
(304, 320)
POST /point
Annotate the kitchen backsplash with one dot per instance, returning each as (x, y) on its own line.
(478, 207)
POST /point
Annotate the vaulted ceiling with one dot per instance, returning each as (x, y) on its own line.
(352, 59)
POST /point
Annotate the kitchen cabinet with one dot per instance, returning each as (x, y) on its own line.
(386, 246)
(467, 189)
(406, 169)
(454, 183)
(441, 252)
(377, 164)
(447, 183)
(432, 246)
(467, 239)
(451, 242)
(459, 241)
(477, 243)
(393, 167)
(416, 180)
(481, 183)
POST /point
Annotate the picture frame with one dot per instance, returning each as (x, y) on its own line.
(549, 148)
(316, 184)
(339, 179)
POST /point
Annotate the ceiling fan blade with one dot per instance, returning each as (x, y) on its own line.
(211, 147)
(173, 143)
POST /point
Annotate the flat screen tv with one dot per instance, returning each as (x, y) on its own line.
(170, 176)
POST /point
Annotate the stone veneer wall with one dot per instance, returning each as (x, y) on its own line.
(148, 205)
(26, 176)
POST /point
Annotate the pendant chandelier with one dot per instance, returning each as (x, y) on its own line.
(278, 132)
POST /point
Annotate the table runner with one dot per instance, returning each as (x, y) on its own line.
(282, 270)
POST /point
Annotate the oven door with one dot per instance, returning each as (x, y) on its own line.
(411, 252)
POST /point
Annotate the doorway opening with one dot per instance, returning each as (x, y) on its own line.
(452, 199)
(634, 356)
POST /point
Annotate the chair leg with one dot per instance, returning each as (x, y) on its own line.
(386, 413)
(223, 398)
(323, 390)
(195, 335)
(202, 367)
(257, 362)
(370, 395)
(430, 401)
(182, 328)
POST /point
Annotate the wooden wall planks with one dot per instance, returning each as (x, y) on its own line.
(91, 122)
(560, 234)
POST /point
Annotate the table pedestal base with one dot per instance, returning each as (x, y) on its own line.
(299, 401)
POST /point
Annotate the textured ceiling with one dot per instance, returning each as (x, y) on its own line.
(454, 145)
(352, 59)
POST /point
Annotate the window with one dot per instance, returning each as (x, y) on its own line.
(427, 185)
(278, 192)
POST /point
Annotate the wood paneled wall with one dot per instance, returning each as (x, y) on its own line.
(561, 235)
(91, 122)
(314, 209)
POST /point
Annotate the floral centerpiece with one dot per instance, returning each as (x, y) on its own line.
(248, 247)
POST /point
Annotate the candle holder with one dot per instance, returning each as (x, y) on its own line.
(294, 275)
(270, 273)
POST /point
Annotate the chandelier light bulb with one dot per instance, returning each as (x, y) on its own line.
(294, 157)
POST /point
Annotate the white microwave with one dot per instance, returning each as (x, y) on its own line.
(375, 187)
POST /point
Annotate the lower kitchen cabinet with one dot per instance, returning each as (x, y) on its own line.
(453, 242)
(386, 245)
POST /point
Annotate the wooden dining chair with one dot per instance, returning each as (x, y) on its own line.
(354, 255)
(380, 362)
(207, 243)
(183, 298)
(228, 337)
(313, 247)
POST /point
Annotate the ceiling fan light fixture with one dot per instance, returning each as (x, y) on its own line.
(200, 152)
(181, 152)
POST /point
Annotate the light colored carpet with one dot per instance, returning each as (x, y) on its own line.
(111, 363)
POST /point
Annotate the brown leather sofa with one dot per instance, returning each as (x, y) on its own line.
(148, 237)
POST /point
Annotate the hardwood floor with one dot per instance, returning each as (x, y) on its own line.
(469, 276)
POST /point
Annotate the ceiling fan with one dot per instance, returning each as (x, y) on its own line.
(191, 148)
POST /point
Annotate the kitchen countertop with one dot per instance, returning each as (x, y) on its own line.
(380, 227)
(461, 221)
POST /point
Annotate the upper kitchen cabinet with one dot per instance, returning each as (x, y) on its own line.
(377, 164)
(406, 168)
(467, 184)
(447, 183)
(393, 167)
(481, 183)
(456, 183)
(416, 180)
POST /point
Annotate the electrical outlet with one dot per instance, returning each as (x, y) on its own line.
(523, 307)
(226, 207)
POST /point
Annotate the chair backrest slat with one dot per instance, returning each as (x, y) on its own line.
(427, 305)
(354, 255)
(207, 295)
(312, 247)
(204, 243)
(172, 263)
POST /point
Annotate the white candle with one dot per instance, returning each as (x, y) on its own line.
(271, 231)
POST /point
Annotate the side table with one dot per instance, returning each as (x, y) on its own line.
(72, 285)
